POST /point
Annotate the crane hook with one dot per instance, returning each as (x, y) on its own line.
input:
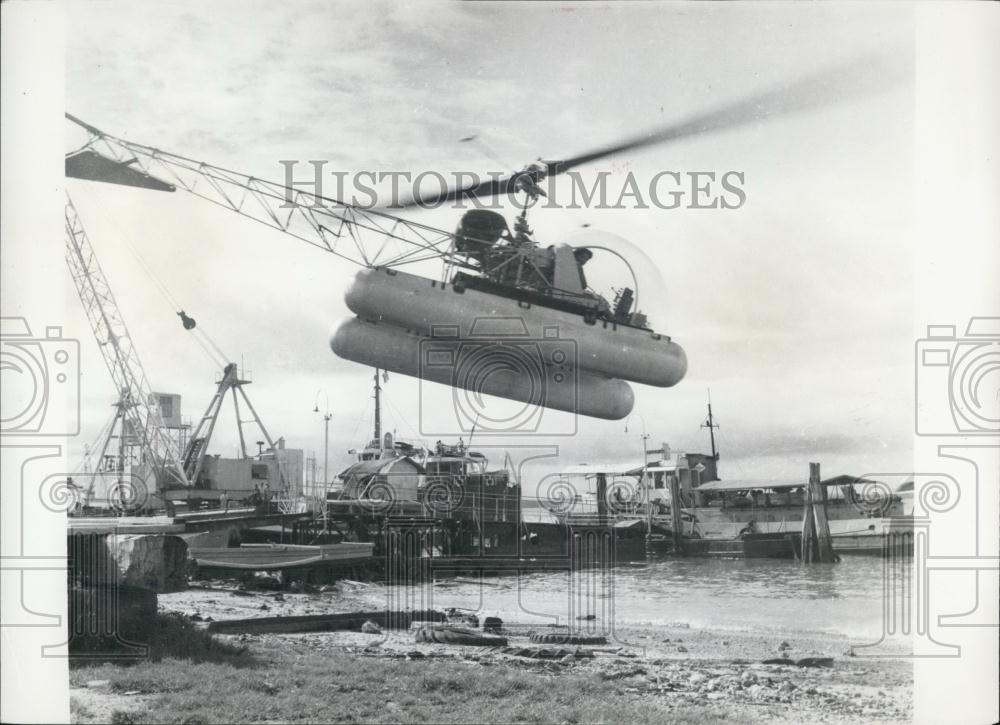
(188, 322)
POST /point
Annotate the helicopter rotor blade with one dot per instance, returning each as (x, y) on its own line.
(862, 77)
(490, 187)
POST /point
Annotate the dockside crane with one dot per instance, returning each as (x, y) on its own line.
(194, 454)
(137, 417)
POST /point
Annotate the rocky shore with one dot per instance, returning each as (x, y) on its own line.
(668, 670)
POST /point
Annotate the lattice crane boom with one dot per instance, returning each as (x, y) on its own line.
(366, 237)
(139, 405)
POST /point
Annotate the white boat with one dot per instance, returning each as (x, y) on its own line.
(864, 515)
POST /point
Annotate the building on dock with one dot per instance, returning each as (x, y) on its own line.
(239, 478)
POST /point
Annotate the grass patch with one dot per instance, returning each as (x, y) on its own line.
(173, 637)
(201, 681)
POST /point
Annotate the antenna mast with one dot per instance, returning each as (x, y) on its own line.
(711, 425)
(378, 410)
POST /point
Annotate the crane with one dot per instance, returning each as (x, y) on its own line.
(194, 457)
(137, 416)
(367, 237)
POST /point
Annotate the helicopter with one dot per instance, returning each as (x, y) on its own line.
(510, 317)
(515, 320)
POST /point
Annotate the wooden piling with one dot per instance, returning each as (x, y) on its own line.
(824, 540)
(675, 513)
(817, 544)
(808, 531)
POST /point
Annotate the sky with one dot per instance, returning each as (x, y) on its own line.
(795, 309)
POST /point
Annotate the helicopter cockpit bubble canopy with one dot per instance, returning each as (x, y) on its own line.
(622, 273)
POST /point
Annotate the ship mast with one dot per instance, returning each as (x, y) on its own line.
(711, 425)
(378, 410)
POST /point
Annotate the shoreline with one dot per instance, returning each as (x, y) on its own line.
(659, 673)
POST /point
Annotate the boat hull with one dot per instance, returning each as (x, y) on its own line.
(849, 534)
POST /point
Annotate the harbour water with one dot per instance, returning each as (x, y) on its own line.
(744, 595)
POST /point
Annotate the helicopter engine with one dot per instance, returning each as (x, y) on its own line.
(478, 232)
(517, 262)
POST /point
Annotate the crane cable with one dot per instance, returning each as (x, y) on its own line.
(211, 349)
(398, 417)
(733, 461)
(362, 418)
(90, 447)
